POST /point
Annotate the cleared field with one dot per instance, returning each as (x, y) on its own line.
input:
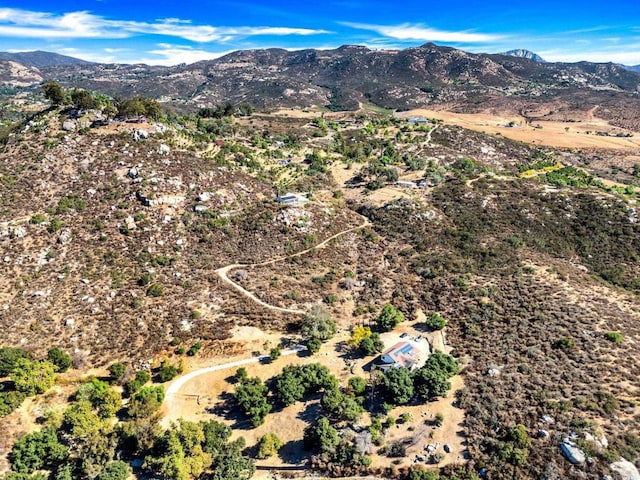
(570, 134)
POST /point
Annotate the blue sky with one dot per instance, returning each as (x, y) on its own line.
(171, 32)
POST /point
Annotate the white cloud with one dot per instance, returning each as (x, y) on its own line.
(173, 55)
(626, 55)
(408, 31)
(82, 24)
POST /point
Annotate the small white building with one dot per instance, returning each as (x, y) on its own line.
(293, 199)
(404, 184)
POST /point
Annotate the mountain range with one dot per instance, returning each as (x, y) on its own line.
(348, 77)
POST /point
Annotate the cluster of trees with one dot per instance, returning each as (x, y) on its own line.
(251, 396)
(295, 383)
(86, 100)
(29, 376)
(401, 385)
(226, 109)
(366, 341)
(81, 441)
(199, 450)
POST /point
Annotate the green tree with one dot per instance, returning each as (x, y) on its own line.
(444, 363)
(251, 395)
(82, 99)
(389, 318)
(358, 334)
(398, 385)
(435, 321)
(297, 381)
(216, 435)
(132, 386)
(179, 454)
(314, 345)
(432, 380)
(268, 445)
(9, 401)
(37, 451)
(275, 353)
(420, 474)
(116, 372)
(341, 406)
(8, 358)
(231, 464)
(430, 384)
(53, 92)
(167, 371)
(321, 436)
(33, 377)
(145, 402)
(116, 470)
(357, 386)
(372, 345)
(317, 323)
(59, 358)
(80, 421)
(103, 398)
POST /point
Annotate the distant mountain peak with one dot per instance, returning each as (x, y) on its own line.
(522, 53)
(39, 59)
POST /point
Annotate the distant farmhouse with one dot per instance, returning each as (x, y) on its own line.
(405, 184)
(402, 354)
(418, 120)
(293, 199)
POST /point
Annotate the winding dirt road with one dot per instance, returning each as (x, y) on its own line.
(224, 271)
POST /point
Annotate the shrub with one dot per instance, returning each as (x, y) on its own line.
(167, 371)
(116, 372)
(59, 358)
(116, 470)
(438, 419)
(132, 386)
(435, 321)
(314, 345)
(37, 219)
(318, 324)
(33, 377)
(9, 401)
(155, 290)
(372, 345)
(564, 343)
(8, 358)
(194, 349)
(145, 402)
(614, 337)
(275, 353)
(268, 445)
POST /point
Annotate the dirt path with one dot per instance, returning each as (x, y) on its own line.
(223, 272)
(175, 387)
(430, 132)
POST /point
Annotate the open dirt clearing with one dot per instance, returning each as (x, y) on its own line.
(552, 133)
